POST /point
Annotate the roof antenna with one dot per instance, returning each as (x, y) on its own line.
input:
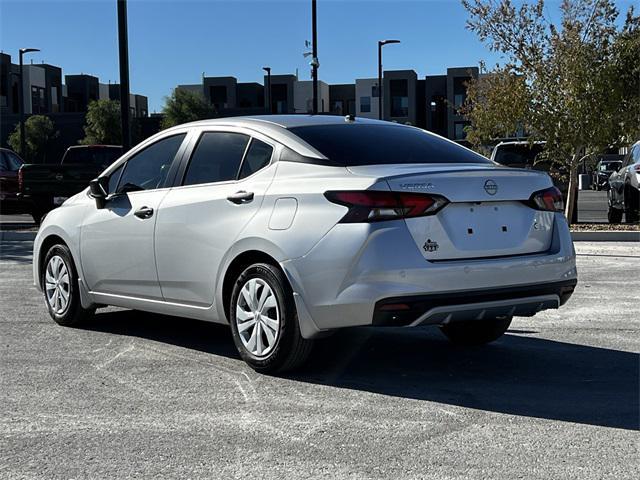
(350, 118)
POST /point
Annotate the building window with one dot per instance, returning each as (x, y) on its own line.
(459, 133)
(365, 104)
(459, 92)
(375, 91)
(399, 98)
(218, 95)
(38, 102)
(337, 107)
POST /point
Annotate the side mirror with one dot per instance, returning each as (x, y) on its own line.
(98, 188)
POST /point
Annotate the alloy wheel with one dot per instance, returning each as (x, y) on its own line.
(57, 284)
(258, 317)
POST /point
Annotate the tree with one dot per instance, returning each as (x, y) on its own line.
(103, 123)
(183, 106)
(39, 134)
(567, 83)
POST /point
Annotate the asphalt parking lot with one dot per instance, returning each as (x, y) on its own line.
(146, 396)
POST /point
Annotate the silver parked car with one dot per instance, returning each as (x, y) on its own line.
(289, 227)
(624, 188)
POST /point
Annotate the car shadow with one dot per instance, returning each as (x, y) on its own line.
(518, 375)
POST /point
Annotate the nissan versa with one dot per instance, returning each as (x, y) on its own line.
(289, 227)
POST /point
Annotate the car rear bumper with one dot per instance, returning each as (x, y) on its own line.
(356, 268)
(438, 309)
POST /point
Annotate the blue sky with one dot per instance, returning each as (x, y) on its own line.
(173, 42)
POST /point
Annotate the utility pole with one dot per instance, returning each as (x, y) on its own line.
(268, 90)
(23, 145)
(314, 62)
(123, 43)
(381, 43)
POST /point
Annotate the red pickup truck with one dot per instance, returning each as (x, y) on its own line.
(11, 202)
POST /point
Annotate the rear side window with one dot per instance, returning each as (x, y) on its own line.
(216, 158)
(258, 156)
(358, 144)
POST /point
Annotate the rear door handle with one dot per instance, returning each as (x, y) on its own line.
(241, 197)
(144, 212)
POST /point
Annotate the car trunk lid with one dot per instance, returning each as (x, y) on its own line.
(487, 215)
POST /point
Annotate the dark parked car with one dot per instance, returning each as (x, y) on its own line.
(624, 188)
(532, 156)
(47, 186)
(10, 200)
(607, 164)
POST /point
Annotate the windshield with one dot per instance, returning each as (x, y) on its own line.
(101, 157)
(609, 166)
(361, 144)
(518, 155)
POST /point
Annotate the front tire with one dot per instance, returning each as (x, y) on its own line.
(59, 281)
(264, 322)
(476, 332)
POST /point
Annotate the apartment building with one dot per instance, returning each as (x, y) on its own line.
(431, 102)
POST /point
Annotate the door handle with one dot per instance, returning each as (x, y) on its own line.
(144, 212)
(241, 197)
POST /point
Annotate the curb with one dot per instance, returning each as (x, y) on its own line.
(17, 235)
(606, 236)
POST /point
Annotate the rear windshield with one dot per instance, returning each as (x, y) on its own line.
(101, 157)
(518, 155)
(358, 144)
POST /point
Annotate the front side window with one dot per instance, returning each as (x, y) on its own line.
(216, 158)
(114, 178)
(148, 169)
(258, 156)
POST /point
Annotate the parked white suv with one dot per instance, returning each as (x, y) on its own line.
(288, 227)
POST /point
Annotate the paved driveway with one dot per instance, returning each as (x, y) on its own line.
(141, 395)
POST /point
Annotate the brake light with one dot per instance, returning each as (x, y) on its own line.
(549, 199)
(20, 180)
(375, 206)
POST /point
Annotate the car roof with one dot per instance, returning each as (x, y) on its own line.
(277, 127)
(288, 121)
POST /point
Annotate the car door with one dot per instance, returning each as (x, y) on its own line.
(116, 243)
(223, 185)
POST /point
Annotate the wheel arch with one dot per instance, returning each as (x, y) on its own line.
(236, 266)
(46, 244)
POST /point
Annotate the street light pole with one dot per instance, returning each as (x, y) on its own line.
(314, 62)
(124, 74)
(268, 92)
(381, 43)
(21, 100)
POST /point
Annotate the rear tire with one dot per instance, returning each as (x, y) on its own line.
(476, 332)
(272, 343)
(614, 215)
(59, 281)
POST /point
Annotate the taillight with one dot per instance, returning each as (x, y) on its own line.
(549, 199)
(20, 180)
(376, 206)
